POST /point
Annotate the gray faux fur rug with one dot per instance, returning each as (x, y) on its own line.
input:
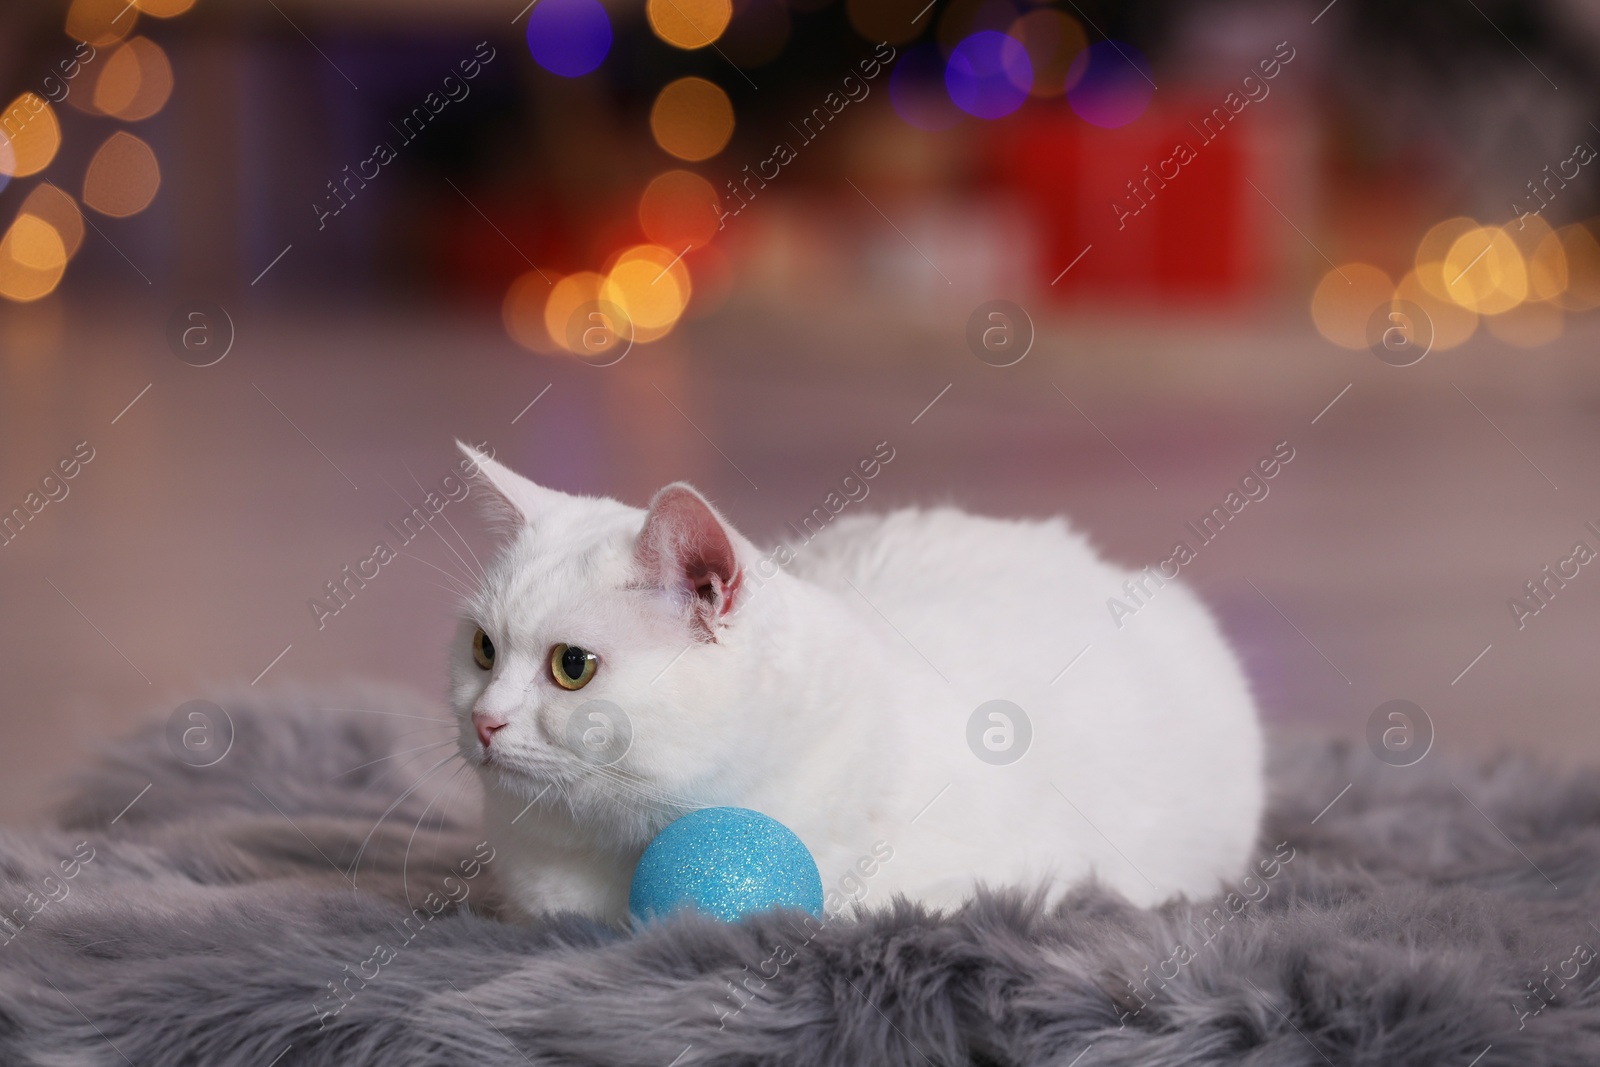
(1434, 914)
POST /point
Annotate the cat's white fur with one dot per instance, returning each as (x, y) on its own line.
(835, 696)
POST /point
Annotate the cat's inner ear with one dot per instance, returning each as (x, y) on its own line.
(685, 547)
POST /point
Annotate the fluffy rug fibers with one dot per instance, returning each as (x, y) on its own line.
(218, 915)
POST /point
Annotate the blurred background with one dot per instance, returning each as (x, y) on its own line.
(263, 261)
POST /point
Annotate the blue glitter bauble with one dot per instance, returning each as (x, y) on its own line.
(726, 863)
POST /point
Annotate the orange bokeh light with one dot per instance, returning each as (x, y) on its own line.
(522, 311)
(123, 177)
(60, 211)
(688, 24)
(1484, 271)
(680, 209)
(651, 285)
(163, 9)
(1451, 323)
(890, 21)
(1052, 41)
(135, 81)
(1582, 254)
(32, 259)
(1344, 302)
(101, 22)
(29, 136)
(564, 301)
(1432, 249)
(692, 119)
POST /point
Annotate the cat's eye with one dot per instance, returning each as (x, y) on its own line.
(572, 667)
(482, 649)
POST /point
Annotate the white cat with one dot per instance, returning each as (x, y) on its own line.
(836, 687)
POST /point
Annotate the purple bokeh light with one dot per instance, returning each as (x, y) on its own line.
(917, 92)
(1109, 84)
(989, 75)
(569, 37)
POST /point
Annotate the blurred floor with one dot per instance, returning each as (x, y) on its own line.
(224, 498)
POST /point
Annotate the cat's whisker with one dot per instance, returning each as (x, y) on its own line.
(424, 729)
(375, 711)
(395, 755)
(446, 589)
(483, 575)
(405, 860)
(466, 571)
(376, 780)
(658, 798)
(350, 874)
(462, 589)
(622, 800)
(429, 524)
(444, 809)
(668, 805)
(641, 785)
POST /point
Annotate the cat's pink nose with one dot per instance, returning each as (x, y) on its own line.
(486, 725)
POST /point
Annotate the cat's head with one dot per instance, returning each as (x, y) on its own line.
(598, 666)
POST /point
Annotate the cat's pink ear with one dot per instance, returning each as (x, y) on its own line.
(686, 547)
(507, 496)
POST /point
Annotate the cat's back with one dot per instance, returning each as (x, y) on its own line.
(1146, 728)
(924, 568)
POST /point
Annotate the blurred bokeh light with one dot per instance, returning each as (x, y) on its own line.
(890, 21)
(163, 9)
(917, 90)
(959, 20)
(122, 177)
(795, 205)
(1582, 254)
(49, 203)
(1109, 84)
(101, 22)
(568, 37)
(135, 81)
(692, 119)
(988, 75)
(688, 24)
(1052, 40)
(1344, 301)
(1484, 271)
(566, 298)
(32, 259)
(651, 285)
(32, 135)
(679, 209)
